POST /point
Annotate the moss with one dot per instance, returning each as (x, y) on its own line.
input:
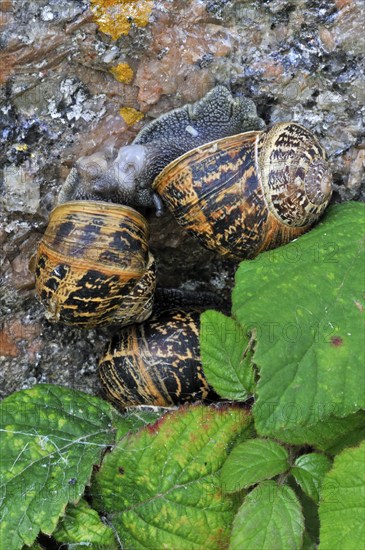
(115, 17)
(130, 115)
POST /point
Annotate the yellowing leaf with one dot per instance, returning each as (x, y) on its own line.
(160, 487)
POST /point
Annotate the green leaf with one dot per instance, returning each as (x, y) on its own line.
(35, 546)
(309, 511)
(308, 323)
(309, 471)
(226, 356)
(136, 418)
(253, 461)
(82, 527)
(308, 543)
(160, 486)
(50, 439)
(270, 518)
(342, 509)
(330, 434)
(350, 437)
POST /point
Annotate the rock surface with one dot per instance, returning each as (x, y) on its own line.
(74, 83)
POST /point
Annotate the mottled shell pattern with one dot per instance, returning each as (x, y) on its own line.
(93, 266)
(156, 362)
(249, 192)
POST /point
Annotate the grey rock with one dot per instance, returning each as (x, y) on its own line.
(59, 102)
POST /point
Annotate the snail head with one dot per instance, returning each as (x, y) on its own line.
(120, 181)
(128, 178)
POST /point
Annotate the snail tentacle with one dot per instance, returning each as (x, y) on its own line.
(128, 179)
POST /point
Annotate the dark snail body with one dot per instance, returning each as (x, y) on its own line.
(93, 266)
(156, 362)
(128, 179)
(238, 191)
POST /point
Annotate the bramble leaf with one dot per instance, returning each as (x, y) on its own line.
(341, 508)
(50, 439)
(305, 305)
(82, 527)
(329, 434)
(270, 517)
(160, 487)
(309, 471)
(226, 356)
(253, 461)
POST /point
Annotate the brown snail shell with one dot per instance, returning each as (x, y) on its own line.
(93, 266)
(249, 192)
(156, 362)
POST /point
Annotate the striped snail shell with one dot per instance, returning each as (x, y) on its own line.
(93, 266)
(156, 362)
(250, 192)
(237, 188)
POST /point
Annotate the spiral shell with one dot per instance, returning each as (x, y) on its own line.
(249, 192)
(156, 362)
(93, 266)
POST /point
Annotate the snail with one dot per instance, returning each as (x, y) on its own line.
(93, 266)
(156, 362)
(235, 186)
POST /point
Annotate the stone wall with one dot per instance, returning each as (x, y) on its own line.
(78, 78)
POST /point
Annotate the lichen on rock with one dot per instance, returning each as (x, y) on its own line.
(130, 115)
(115, 17)
(123, 72)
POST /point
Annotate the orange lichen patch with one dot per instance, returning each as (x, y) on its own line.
(115, 17)
(123, 72)
(130, 115)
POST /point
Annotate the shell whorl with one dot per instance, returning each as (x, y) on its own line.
(250, 192)
(156, 362)
(93, 266)
(294, 174)
(96, 232)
